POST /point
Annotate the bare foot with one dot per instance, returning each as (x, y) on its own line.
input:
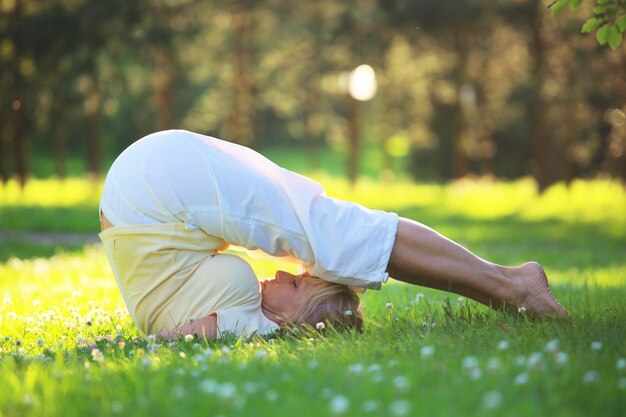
(536, 299)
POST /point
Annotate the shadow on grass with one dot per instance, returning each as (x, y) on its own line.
(28, 250)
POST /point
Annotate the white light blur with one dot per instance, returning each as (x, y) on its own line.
(363, 84)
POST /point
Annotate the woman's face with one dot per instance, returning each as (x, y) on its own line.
(283, 296)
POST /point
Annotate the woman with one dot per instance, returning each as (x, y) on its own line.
(174, 200)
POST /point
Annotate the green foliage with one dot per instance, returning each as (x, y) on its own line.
(68, 347)
(609, 19)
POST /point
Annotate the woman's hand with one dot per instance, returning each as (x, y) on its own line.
(204, 327)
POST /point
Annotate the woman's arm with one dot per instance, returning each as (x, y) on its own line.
(203, 327)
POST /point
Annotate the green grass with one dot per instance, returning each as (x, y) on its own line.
(421, 355)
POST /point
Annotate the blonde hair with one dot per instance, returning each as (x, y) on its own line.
(331, 303)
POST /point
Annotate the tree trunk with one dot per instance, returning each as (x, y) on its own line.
(460, 162)
(19, 122)
(538, 108)
(241, 119)
(163, 85)
(58, 135)
(353, 139)
(4, 171)
(92, 110)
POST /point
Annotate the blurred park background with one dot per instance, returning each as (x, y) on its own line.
(462, 87)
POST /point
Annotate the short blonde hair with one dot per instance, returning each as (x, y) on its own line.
(331, 303)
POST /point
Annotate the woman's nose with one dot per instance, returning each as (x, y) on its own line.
(282, 276)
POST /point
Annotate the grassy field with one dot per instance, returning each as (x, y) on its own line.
(68, 347)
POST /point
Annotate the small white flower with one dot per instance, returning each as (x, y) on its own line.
(470, 362)
(370, 406)
(226, 390)
(492, 399)
(521, 379)
(347, 313)
(400, 407)
(389, 306)
(521, 310)
(561, 358)
(97, 355)
(475, 373)
(552, 345)
(596, 345)
(493, 364)
(357, 368)
(621, 363)
(271, 395)
(320, 326)
(179, 392)
(534, 361)
(591, 377)
(209, 386)
(339, 404)
(460, 301)
(188, 338)
(373, 368)
(427, 352)
(401, 383)
(117, 407)
(503, 345)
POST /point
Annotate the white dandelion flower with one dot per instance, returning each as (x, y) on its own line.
(591, 377)
(188, 338)
(271, 395)
(357, 368)
(521, 379)
(552, 345)
(502, 345)
(493, 364)
(401, 383)
(117, 407)
(347, 313)
(470, 362)
(320, 326)
(370, 406)
(97, 355)
(596, 345)
(427, 352)
(561, 358)
(534, 361)
(492, 399)
(475, 373)
(521, 310)
(226, 390)
(208, 385)
(389, 306)
(400, 407)
(339, 404)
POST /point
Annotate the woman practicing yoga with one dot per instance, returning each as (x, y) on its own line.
(175, 200)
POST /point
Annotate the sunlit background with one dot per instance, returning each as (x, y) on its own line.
(422, 89)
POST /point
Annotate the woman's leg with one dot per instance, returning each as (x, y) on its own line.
(424, 257)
